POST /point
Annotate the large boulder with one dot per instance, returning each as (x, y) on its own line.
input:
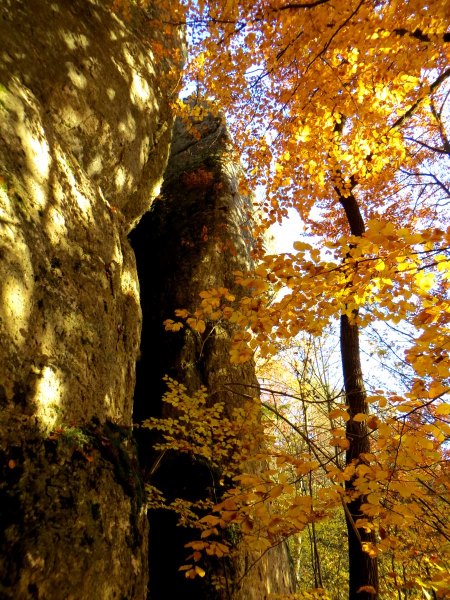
(85, 124)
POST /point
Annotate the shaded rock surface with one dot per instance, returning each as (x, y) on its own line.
(194, 237)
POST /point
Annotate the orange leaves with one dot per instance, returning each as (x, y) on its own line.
(360, 417)
(337, 413)
(372, 422)
(192, 571)
(196, 324)
(240, 351)
(366, 271)
(211, 309)
(327, 102)
(442, 409)
(211, 548)
(213, 296)
(367, 588)
(171, 325)
(352, 74)
(340, 440)
(219, 306)
(205, 431)
(270, 503)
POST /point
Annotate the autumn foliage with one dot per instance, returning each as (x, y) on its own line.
(340, 111)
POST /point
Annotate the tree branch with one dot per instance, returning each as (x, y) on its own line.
(436, 83)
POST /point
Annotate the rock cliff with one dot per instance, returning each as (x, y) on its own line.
(196, 235)
(84, 137)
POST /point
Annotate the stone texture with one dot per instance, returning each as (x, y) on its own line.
(85, 127)
(194, 237)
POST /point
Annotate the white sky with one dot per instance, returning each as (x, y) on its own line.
(287, 233)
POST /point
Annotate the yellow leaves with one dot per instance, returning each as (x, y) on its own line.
(211, 429)
(340, 442)
(210, 520)
(360, 417)
(390, 270)
(301, 246)
(276, 491)
(211, 309)
(257, 286)
(303, 133)
(384, 270)
(265, 505)
(408, 81)
(378, 229)
(435, 431)
(437, 389)
(215, 294)
(240, 351)
(304, 467)
(381, 399)
(171, 325)
(192, 571)
(373, 498)
(217, 549)
(257, 544)
(371, 550)
(196, 324)
(443, 265)
(339, 413)
(404, 263)
(424, 282)
(404, 488)
(371, 510)
(353, 55)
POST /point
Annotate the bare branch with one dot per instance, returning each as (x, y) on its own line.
(295, 5)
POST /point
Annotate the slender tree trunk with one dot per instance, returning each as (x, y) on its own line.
(363, 569)
(315, 556)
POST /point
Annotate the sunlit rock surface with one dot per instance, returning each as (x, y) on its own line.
(84, 137)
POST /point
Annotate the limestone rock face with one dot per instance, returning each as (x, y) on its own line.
(84, 137)
(196, 235)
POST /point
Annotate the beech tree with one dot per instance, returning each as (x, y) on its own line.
(340, 110)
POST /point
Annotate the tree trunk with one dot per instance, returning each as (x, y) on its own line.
(84, 137)
(196, 235)
(363, 569)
